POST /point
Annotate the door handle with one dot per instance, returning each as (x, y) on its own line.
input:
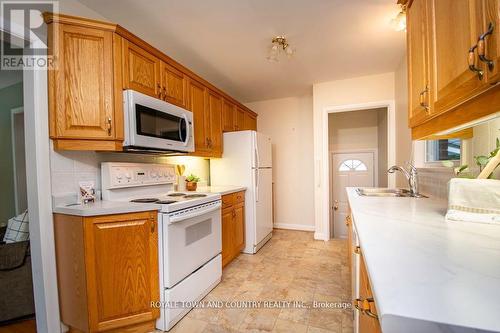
(336, 205)
(422, 99)
(481, 47)
(159, 91)
(110, 126)
(472, 63)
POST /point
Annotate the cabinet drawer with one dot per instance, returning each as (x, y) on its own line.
(239, 197)
(227, 200)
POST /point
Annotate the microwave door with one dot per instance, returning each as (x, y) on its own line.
(156, 129)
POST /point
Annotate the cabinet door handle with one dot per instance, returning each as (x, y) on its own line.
(356, 304)
(110, 126)
(164, 93)
(481, 47)
(159, 91)
(152, 227)
(472, 63)
(422, 99)
(357, 249)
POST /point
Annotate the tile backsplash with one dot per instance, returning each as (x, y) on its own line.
(68, 168)
(434, 181)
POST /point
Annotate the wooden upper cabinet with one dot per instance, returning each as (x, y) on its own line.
(95, 61)
(249, 122)
(214, 123)
(455, 27)
(418, 62)
(489, 47)
(228, 116)
(141, 70)
(239, 121)
(197, 105)
(82, 112)
(174, 85)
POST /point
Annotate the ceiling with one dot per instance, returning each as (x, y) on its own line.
(226, 41)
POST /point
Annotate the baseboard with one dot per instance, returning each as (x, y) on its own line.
(294, 226)
(320, 236)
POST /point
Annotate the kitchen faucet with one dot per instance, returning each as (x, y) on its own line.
(410, 174)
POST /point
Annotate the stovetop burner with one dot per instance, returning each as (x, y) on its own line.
(145, 200)
(189, 196)
(177, 194)
(165, 202)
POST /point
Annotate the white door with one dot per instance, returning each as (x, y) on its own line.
(348, 170)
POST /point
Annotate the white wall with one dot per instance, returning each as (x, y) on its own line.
(289, 123)
(73, 7)
(361, 90)
(403, 132)
(353, 130)
(382, 142)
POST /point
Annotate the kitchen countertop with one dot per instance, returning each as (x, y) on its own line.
(428, 275)
(98, 208)
(104, 208)
(222, 190)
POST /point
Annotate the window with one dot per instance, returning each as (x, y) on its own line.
(352, 165)
(443, 150)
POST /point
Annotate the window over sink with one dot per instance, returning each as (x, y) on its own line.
(443, 150)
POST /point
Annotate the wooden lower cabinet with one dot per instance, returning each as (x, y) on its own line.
(368, 319)
(364, 301)
(233, 226)
(107, 270)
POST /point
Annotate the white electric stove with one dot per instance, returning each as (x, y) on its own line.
(189, 233)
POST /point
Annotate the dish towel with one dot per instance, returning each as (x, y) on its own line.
(474, 200)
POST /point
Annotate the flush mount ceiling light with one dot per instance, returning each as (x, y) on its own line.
(398, 23)
(279, 45)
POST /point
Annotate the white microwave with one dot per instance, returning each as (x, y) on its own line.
(152, 125)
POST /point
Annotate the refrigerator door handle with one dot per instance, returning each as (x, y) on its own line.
(257, 175)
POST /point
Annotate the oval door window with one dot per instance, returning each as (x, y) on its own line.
(352, 165)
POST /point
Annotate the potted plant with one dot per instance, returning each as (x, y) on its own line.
(192, 182)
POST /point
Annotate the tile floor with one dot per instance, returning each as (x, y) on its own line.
(290, 267)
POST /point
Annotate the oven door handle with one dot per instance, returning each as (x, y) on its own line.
(181, 218)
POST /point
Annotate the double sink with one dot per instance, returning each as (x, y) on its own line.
(387, 192)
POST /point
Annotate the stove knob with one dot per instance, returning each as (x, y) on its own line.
(119, 176)
(153, 174)
(128, 176)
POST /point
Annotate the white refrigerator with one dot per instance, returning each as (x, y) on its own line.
(247, 161)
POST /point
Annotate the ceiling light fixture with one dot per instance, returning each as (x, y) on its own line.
(398, 23)
(279, 44)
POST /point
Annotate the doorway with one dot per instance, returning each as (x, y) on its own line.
(358, 157)
(19, 160)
